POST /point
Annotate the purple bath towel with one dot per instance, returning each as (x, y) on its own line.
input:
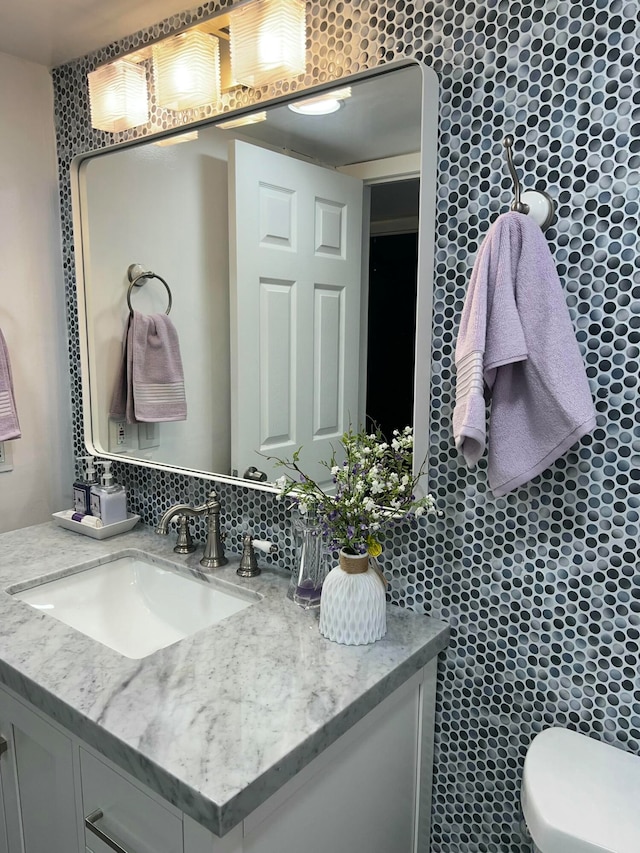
(516, 340)
(9, 425)
(150, 382)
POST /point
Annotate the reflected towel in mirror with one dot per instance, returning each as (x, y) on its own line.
(150, 382)
(516, 339)
(9, 425)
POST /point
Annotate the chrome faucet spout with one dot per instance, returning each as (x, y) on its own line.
(213, 549)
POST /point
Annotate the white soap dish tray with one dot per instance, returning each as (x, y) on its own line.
(96, 532)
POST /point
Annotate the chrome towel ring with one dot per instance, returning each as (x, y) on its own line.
(137, 275)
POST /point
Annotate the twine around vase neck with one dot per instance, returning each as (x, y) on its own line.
(353, 564)
(358, 564)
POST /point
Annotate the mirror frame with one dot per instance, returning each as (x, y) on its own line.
(425, 266)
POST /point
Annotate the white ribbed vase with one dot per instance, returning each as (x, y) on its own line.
(353, 606)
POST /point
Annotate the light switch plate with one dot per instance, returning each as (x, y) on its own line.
(148, 436)
(6, 457)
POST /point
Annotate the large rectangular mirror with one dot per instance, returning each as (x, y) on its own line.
(298, 251)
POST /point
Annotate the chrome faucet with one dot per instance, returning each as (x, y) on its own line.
(213, 550)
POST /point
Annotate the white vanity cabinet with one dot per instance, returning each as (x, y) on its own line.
(37, 782)
(367, 792)
(117, 811)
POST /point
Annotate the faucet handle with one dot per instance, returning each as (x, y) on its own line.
(184, 545)
(249, 567)
(265, 546)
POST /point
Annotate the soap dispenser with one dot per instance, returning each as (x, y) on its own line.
(82, 488)
(109, 499)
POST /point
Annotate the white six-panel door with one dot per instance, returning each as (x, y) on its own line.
(295, 265)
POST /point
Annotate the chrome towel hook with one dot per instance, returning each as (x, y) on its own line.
(137, 275)
(534, 203)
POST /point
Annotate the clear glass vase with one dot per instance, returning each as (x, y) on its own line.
(310, 568)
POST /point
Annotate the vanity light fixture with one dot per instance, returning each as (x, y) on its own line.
(259, 42)
(254, 118)
(267, 41)
(322, 105)
(118, 96)
(186, 70)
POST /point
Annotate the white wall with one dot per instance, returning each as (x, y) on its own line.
(32, 298)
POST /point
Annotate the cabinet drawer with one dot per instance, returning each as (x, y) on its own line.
(135, 821)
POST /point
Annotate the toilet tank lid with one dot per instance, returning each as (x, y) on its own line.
(580, 795)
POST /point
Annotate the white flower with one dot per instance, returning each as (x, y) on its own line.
(420, 510)
(281, 482)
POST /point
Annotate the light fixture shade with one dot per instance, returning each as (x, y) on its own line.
(267, 41)
(186, 69)
(118, 96)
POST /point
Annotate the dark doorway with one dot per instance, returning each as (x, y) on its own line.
(393, 261)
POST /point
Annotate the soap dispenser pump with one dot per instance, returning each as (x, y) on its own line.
(82, 488)
(109, 499)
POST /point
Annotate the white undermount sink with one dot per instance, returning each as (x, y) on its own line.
(135, 605)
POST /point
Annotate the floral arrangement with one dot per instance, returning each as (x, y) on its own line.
(374, 487)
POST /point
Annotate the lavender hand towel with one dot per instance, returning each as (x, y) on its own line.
(9, 425)
(149, 386)
(157, 378)
(517, 342)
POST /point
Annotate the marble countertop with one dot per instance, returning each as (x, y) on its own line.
(219, 721)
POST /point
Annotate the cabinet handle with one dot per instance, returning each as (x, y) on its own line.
(4, 745)
(90, 822)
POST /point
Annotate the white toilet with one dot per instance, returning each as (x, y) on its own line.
(580, 795)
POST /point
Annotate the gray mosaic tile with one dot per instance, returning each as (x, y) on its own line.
(541, 587)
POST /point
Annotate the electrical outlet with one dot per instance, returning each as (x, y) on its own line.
(123, 437)
(6, 457)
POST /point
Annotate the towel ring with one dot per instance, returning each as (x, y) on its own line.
(137, 275)
(535, 203)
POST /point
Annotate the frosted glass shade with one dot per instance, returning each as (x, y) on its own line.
(267, 41)
(118, 96)
(186, 69)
